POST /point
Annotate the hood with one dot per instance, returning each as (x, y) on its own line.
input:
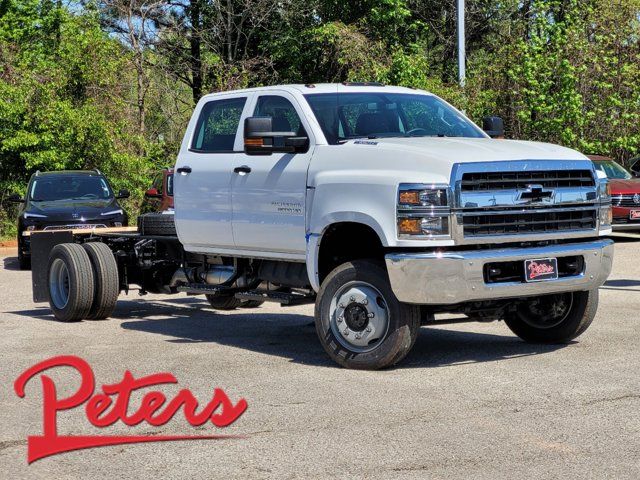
(430, 159)
(625, 186)
(73, 209)
(464, 150)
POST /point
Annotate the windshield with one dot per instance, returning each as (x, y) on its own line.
(343, 116)
(613, 170)
(69, 187)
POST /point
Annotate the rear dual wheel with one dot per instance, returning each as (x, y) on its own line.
(83, 281)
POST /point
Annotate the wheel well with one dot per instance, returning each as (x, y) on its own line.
(346, 241)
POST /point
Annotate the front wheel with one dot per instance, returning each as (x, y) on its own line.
(555, 318)
(360, 322)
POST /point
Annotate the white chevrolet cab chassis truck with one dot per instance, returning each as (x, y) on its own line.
(384, 206)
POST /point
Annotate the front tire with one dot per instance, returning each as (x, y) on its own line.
(24, 261)
(554, 318)
(360, 322)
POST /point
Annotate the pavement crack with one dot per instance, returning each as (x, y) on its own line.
(11, 443)
(613, 399)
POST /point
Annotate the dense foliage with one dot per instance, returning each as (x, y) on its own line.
(110, 84)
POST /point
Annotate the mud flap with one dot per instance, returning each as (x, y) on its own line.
(41, 245)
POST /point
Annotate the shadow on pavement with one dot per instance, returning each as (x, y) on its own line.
(293, 336)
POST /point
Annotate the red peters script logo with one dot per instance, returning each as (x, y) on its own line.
(102, 410)
(538, 269)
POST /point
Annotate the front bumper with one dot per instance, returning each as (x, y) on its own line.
(446, 278)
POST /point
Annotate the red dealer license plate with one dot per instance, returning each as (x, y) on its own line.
(634, 215)
(541, 269)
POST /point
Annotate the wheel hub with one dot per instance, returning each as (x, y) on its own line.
(356, 317)
(549, 311)
(359, 316)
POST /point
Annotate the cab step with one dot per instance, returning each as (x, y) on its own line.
(285, 299)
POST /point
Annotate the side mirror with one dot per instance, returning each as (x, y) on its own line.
(493, 126)
(152, 193)
(123, 194)
(15, 198)
(260, 139)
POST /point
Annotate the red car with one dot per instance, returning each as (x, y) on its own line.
(159, 197)
(625, 193)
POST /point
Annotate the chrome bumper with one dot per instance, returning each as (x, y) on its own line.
(445, 278)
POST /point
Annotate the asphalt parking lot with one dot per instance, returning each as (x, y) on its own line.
(470, 401)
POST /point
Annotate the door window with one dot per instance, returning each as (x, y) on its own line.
(284, 115)
(217, 126)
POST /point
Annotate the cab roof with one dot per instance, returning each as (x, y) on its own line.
(312, 88)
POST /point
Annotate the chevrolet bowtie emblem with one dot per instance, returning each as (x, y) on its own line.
(535, 193)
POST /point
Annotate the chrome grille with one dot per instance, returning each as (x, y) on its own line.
(497, 202)
(483, 181)
(514, 222)
(626, 200)
(83, 226)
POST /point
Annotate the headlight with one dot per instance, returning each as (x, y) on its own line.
(33, 215)
(423, 211)
(415, 196)
(112, 212)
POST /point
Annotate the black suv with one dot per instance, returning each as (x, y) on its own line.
(66, 199)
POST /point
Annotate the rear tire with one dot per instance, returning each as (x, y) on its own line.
(224, 302)
(554, 318)
(360, 322)
(107, 283)
(71, 282)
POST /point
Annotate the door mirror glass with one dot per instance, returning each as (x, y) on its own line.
(15, 198)
(493, 126)
(261, 139)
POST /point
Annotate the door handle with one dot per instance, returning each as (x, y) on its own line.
(184, 170)
(243, 170)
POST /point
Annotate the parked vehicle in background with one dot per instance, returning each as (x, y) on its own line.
(159, 197)
(61, 200)
(625, 193)
(384, 206)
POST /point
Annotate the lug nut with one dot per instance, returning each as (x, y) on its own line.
(365, 301)
(352, 298)
(346, 332)
(368, 330)
(371, 315)
(358, 336)
(341, 305)
(340, 319)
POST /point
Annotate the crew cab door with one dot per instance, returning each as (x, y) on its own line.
(269, 190)
(204, 172)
